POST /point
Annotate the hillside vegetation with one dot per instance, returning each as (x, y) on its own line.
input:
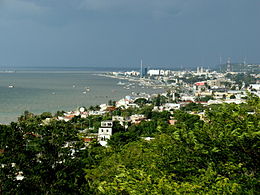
(217, 155)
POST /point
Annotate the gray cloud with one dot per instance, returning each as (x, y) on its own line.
(46, 32)
(20, 10)
(155, 8)
(163, 7)
(20, 6)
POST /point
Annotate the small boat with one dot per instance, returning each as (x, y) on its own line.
(87, 89)
(11, 86)
(120, 83)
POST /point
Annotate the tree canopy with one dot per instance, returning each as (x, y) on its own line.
(217, 155)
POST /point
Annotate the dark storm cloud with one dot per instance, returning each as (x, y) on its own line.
(116, 32)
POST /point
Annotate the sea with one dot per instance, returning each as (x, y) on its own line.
(41, 90)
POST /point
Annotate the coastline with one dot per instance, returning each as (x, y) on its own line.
(26, 95)
(142, 81)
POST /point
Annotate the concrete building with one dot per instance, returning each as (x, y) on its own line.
(120, 119)
(171, 106)
(105, 132)
(200, 86)
(137, 118)
(187, 98)
(154, 72)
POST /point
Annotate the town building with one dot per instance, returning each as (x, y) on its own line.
(105, 132)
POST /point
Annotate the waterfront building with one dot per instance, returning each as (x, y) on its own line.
(154, 72)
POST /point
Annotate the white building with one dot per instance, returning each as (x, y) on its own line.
(171, 106)
(96, 112)
(187, 98)
(120, 119)
(126, 102)
(132, 73)
(236, 101)
(154, 72)
(122, 103)
(105, 132)
(137, 118)
(254, 86)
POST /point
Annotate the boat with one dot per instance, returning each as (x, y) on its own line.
(11, 86)
(87, 89)
(120, 83)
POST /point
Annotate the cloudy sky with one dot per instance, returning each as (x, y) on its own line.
(121, 32)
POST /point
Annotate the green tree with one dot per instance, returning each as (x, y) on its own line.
(119, 139)
(59, 113)
(27, 115)
(141, 101)
(232, 97)
(218, 156)
(193, 107)
(48, 156)
(205, 99)
(45, 115)
(146, 111)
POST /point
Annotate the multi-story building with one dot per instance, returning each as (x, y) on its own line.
(105, 132)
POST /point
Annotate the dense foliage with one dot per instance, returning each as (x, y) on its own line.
(216, 154)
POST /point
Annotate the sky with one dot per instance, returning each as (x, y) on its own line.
(119, 33)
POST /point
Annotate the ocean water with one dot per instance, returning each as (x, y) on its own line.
(50, 91)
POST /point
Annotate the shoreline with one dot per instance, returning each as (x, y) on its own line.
(142, 81)
(134, 89)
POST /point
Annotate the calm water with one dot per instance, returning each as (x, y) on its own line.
(40, 91)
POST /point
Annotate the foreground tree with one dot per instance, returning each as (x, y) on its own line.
(218, 156)
(49, 158)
